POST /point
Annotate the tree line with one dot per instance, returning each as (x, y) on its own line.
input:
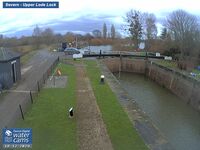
(180, 35)
(105, 34)
(48, 37)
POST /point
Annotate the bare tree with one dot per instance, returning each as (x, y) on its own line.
(88, 36)
(59, 38)
(37, 31)
(184, 29)
(104, 31)
(150, 26)
(37, 36)
(96, 33)
(113, 34)
(134, 27)
(48, 36)
(150, 29)
(70, 38)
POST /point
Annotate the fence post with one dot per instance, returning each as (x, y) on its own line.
(38, 86)
(99, 54)
(44, 78)
(146, 55)
(20, 107)
(48, 72)
(120, 65)
(31, 96)
(51, 69)
(54, 81)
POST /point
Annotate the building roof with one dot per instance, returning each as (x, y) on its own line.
(8, 55)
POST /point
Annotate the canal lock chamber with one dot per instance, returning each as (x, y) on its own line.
(170, 108)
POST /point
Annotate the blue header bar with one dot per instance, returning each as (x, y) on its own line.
(41, 4)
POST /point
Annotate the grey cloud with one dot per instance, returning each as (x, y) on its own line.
(82, 24)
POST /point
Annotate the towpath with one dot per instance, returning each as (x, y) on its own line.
(91, 129)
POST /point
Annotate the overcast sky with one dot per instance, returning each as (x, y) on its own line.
(86, 15)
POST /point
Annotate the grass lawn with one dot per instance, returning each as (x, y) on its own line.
(171, 64)
(48, 117)
(197, 72)
(25, 58)
(120, 129)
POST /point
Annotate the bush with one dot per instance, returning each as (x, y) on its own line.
(182, 65)
(101, 41)
(173, 52)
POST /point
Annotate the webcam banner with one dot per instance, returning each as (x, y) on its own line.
(31, 4)
(17, 138)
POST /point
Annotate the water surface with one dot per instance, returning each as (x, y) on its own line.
(103, 48)
(179, 123)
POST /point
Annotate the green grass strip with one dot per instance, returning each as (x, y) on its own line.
(48, 118)
(25, 58)
(197, 73)
(120, 129)
(167, 63)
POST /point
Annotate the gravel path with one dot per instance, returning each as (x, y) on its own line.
(92, 134)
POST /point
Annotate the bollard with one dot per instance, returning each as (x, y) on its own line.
(102, 79)
(71, 112)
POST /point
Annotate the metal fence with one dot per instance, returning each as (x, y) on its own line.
(28, 98)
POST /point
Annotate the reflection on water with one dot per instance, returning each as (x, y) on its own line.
(176, 120)
(103, 48)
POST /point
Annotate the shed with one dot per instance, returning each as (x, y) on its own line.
(10, 69)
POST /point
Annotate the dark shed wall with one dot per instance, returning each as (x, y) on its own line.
(6, 78)
(6, 75)
(18, 69)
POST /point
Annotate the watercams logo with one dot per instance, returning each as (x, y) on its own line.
(17, 138)
(8, 133)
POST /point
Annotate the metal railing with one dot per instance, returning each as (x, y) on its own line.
(28, 97)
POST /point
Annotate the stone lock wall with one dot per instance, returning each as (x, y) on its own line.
(125, 65)
(184, 86)
(112, 64)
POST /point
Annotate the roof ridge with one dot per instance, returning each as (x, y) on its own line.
(7, 54)
(3, 50)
